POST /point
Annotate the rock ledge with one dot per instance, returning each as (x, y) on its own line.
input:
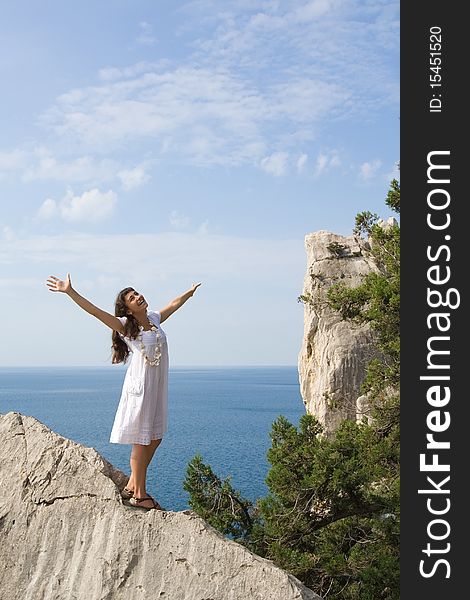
(66, 534)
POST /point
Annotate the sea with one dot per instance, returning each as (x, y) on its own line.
(224, 414)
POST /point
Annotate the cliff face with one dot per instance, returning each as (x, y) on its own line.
(65, 533)
(334, 355)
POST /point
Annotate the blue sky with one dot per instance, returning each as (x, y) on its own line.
(156, 144)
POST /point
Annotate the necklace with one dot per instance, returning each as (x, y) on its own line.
(155, 360)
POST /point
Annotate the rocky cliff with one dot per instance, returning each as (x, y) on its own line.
(66, 534)
(334, 354)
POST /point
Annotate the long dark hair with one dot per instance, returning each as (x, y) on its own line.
(131, 328)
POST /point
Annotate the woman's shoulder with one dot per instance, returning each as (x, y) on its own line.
(154, 315)
(123, 321)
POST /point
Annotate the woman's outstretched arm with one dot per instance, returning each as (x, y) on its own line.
(177, 303)
(58, 285)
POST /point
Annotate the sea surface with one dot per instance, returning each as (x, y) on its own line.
(223, 414)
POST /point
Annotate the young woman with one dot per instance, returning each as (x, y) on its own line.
(141, 416)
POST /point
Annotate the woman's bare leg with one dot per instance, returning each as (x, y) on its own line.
(140, 459)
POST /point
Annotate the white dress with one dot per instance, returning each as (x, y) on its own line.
(141, 415)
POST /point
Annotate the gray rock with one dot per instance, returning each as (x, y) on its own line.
(66, 534)
(334, 354)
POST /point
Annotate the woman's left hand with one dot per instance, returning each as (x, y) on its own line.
(194, 287)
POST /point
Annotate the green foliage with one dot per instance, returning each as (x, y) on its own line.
(333, 506)
(332, 514)
(377, 300)
(336, 248)
(304, 299)
(217, 502)
(393, 196)
(331, 517)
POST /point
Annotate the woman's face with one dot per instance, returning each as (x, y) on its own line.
(135, 302)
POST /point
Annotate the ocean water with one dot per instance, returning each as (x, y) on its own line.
(224, 414)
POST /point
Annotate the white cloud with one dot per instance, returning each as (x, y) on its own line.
(327, 161)
(275, 164)
(178, 220)
(48, 209)
(44, 166)
(330, 39)
(160, 256)
(203, 228)
(205, 116)
(109, 73)
(393, 173)
(322, 161)
(133, 178)
(369, 169)
(182, 222)
(335, 160)
(12, 161)
(91, 206)
(306, 100)
(146, 37)
(208, 116)
(301, 162)
(113, 73)
(8, 233)
(315, 9)
(41, 164)
(258, 75)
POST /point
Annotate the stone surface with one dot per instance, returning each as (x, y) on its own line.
(334, 354)
(66, 534)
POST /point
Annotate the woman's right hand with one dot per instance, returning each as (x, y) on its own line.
(58, 285)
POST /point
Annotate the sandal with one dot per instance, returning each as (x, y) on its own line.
(126, 494)
(136, 501)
